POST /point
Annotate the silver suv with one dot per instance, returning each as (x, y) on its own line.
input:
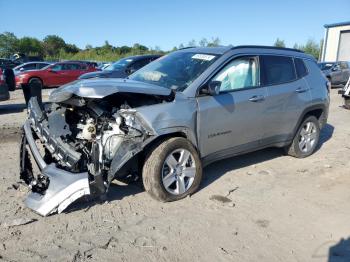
(169, 119)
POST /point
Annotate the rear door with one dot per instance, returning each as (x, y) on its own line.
(230, 121)
(288, 93)
(71, 72)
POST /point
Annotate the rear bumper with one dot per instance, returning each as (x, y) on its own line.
(64, 187)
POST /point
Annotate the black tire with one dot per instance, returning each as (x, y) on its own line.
(294, 148)
(153, 167)
(35, 82)
(35, 86)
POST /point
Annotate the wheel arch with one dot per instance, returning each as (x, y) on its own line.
(319, 111)
(142, 152)
(36, 77)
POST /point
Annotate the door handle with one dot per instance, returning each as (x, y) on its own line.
(256, 98)
(301, 90)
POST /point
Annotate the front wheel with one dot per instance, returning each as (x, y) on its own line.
(306, 138)
(172, 170)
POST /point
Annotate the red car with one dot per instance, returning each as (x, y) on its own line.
(54, 75)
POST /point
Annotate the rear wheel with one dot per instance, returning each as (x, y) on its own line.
(35, 86)
(306, 138)
(35, 81)
(172, 170)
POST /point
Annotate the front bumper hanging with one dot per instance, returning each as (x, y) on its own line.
(54, 189)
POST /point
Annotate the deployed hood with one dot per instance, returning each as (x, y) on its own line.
(100, 88)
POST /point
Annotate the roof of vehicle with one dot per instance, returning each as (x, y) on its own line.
(137, 57)
(337, 24)
(218, 50)
(223, 49)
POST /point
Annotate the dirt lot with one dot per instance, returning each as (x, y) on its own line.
(262, 206)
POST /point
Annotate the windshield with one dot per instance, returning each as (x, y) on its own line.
(325, 66)
(120, 64)
(176, 70)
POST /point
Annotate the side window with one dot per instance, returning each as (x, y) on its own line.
(138, 64)
(29, 67)
(71, 67)
(57, 67)
(300, 67)
(240, 73)
(40, 65)
(277, 69)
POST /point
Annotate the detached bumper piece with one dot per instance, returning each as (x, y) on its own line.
(53, 189)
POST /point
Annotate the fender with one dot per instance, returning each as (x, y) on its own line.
(309, 109)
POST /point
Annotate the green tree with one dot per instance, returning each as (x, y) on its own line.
(8, 44)
(311, 48)
(30, 45)
(203, 42)
(52, 45)
(214, 42)
(279, 43)
(73, 49)
(192, 43)
(88, 47)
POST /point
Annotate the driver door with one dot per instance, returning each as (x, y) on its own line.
(230, 122)
(55, 75)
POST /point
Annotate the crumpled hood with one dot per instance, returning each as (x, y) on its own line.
(100, 88)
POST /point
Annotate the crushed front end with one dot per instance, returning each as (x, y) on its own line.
(77, 146)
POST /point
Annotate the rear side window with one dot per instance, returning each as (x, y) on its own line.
(71, 67)
(300, 67)
(277, 70)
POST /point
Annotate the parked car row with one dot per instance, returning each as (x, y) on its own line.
(337, 73)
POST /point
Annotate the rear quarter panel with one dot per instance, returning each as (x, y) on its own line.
(318, 86)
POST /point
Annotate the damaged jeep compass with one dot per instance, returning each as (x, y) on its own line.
(169, 119)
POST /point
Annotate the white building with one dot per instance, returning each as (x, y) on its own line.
(336, 45)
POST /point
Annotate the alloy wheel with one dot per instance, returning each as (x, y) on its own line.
(178, 172)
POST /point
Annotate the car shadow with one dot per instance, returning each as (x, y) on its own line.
(326, 134)
(12, 108)
(219, 168)
(116, 192)
(210, 173)
(340, 252)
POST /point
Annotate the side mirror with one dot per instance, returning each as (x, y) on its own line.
(212, 89)
(336, 68)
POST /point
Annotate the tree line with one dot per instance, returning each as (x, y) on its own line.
(53, 47)
(311, 47)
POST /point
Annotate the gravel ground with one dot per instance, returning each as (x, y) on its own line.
(262, 206)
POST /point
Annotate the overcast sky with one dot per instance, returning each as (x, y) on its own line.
(169, 23)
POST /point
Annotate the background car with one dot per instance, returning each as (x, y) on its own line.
(123, 67)
(30, 66)
(337, 73)
(4, 92)
(53, 75)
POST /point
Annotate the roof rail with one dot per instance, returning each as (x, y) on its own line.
(267, 47)
(186, 47)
